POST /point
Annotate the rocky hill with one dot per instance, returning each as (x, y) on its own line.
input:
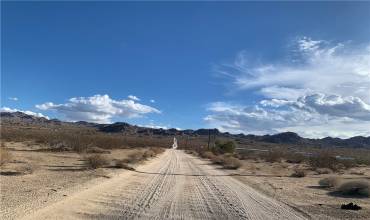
(289, 138)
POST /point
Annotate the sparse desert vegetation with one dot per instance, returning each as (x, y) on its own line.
(74, 155)
(323, 179)
(5, 155)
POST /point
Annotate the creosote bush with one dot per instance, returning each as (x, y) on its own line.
(273, 156)
(224, 147)
(331, 181)
(354, 188)
(298, 173)
(328, 160)
(94, 161)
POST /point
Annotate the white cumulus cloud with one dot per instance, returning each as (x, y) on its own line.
(326, 87)
(98, 108)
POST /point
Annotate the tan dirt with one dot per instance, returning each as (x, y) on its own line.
(274, 179)
(174, 185)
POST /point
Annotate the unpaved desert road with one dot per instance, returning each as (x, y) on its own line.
(173, 186)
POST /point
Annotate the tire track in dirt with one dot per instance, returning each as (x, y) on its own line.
(173, 186)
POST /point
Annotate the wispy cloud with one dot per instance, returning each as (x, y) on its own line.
(325, 86)
(132, 97)
(13, 98)
(152, 101)
(7, 109)
(98, 108)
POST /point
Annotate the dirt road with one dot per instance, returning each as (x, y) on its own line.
(173, 186)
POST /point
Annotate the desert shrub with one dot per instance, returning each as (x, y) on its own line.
(354, 188)
(273, 156)
(228, 162)
(80, 139)
(148, 153)
(331, 181)
(298, 173)
(207, 154)
(231, 163)
(95, 161)
(224, 147)
(122, 165)
(157, 150)
(323, 171)
(5, 156)
(294, 157)
(346, 164)
(192, 152)
(135, 157)
(324, 160)
(218, 160)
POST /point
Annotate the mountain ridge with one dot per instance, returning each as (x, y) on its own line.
(126, 128)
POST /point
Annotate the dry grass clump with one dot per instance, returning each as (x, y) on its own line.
(354, 188)
(94, 161)
(122, 164)
(299, 173)
(329, 182)
(139, 155)
(208, 155)
(228, 162)
(231, 163)
(273, 156)
(5, 155)
(157, 150)
(134, 157)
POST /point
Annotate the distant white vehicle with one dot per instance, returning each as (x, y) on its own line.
(174, 145)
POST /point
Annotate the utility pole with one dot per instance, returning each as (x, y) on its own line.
(209, 138)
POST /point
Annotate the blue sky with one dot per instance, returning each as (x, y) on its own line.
(196, 60)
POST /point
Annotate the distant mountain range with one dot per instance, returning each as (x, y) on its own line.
(291, 138)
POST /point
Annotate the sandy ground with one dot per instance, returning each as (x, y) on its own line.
(34, 179)
(274, 180)
(173, 186)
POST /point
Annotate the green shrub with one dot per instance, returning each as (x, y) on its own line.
(224, 147)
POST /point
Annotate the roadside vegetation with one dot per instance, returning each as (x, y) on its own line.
(93, 147)
(5, 155)
(222, 153)
(79, 139)
(348, 188)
